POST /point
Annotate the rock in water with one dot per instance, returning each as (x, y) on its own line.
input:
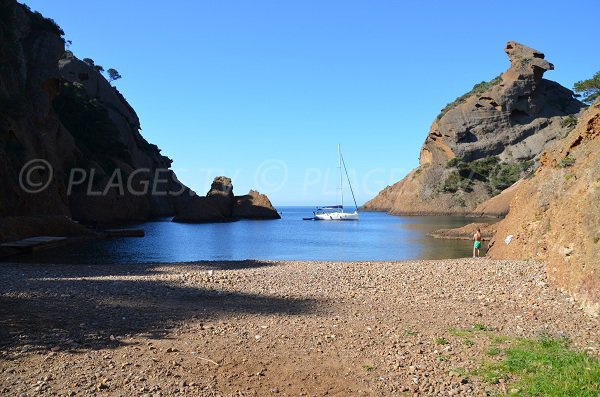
(220, 205)
(254, 205)
(221, 195)
(506, 121)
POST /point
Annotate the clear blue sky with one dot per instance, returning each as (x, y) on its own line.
(262, 91)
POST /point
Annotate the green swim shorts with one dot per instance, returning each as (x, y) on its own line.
(477, 244)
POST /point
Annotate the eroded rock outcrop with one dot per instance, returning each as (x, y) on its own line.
(503, 124)
(220, 205)
(555, 215)
(57, 109)
(254, 205)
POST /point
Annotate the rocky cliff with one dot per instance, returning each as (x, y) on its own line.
(58, 109)
(555, 215)
(485, 140)
(70, 144)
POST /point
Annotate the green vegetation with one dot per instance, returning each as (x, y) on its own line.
(544, 367)
(454, 182)
(88, 120)
(596, 239)
(441, 341)
(38, 21)
(409, 332)
(369, 367)
(496, 175)
(493, 351)
(481, 327)
(113, 75)
(460, 332)
(567, 161)
(590, 88)
(477, 89)
(569, 121)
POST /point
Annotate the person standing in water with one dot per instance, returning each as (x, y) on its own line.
(476, 243)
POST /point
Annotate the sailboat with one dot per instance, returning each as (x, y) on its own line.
(336, 212)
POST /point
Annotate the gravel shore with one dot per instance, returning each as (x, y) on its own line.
(255, 328)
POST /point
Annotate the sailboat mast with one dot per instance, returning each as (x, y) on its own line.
(341, 179)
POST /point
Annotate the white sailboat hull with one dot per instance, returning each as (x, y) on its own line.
(337, 216)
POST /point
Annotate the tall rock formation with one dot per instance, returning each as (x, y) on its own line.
(66, 129)
(61, 110)
(491, 133)
(555, 215)
(220, 205)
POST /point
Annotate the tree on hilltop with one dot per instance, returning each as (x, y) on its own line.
(113, 75)
(590, 88)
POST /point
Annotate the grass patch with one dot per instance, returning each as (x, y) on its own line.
(369, 367)
(461, 333)
(493, 351)
(468, 342)
(481, 327)
(567, 161)
(499, 339)
(441, 341)
(545, 367)
(442, 357)
(409, 332)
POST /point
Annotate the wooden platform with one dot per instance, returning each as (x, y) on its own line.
(124, 233)
(36, 243)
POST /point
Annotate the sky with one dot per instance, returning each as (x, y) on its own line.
(263, 91)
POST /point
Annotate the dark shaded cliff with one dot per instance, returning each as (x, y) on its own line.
(70, 144)
(57, 108)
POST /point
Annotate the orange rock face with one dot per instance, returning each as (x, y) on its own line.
(555, 216)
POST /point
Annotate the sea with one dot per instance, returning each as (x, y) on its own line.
(377, 236)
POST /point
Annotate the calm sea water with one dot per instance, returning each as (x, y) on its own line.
(377, 236)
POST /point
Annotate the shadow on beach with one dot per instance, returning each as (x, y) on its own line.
(72, 307)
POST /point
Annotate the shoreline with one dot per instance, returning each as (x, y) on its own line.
(271, 327)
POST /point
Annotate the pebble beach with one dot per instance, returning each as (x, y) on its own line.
(262, 328)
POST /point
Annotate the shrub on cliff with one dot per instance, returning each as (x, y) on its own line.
(496, 175)
(40, 22)
(590, 88)
(477, 89)
(88, 120)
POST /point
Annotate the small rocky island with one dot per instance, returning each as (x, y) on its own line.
(221, 205)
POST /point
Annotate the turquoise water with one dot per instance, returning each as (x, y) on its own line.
(377, 236)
